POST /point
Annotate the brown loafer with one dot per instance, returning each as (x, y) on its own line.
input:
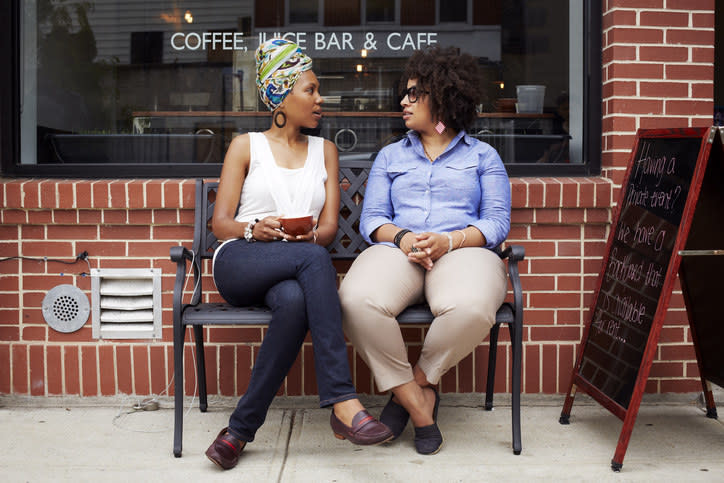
(225, 450)
(365, 429)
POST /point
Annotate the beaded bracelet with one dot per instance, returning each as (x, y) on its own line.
(399, 235)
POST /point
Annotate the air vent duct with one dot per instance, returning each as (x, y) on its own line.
(126, 303)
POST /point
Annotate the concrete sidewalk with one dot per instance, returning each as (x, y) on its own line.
(99, 439)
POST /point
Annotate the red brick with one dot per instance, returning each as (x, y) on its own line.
(550, 364)
(702, 91)
(105, 249)
(13, 194)
(72, 370)
(118, 198)
(107, 370)
(636, 3)
(243, 368)
(568, 317)
(100, 195)
(123, 369)
(66, 195)
(188, 193)
(14, 217)
(566, 361)
(555, 334)
(60, 232)
(663, 122)
(125, 232)
(165, 217)
(535, 193)
(448, 382)
(20, 369)
(148, 249)
(154, 194)
(65, 217)
(554, 299)
(212, 379)
(690, 5)
(635, 106)
(140, 369)
(680, 385)
(47, 194)
(689, 107)
(540, 249)
(141, 217)
(702, 55)
(5, 373)
(9, 301)
(664, 19)
(234, 335)
(628, 35)
(47, 249)
(618, 17)
(83, 196)
(37, 370)
(664, 89)
(175, 233)
(294, 380)
(115, 217)
(159, 379)
(689, 72)
(89, 370)
(310, 376)
(522, 217)
(702, 20)
(35, 334)
(466, 379)
(677, 352)
(40, 217)
(31, 195)
(82, 335)
(531, 373)
(171, 194)
(555, 232)
(690, 37)
(89, 217)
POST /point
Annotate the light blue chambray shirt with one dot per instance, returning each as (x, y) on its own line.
(466, 185)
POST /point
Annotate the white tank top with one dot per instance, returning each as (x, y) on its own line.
(270, 190)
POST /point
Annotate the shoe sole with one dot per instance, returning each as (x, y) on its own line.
(340, 436)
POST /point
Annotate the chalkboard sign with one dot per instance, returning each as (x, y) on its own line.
(638, 260)
(658, 201)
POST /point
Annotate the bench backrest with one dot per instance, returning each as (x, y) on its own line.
(348, 243)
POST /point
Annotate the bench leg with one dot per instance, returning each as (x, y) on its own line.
(492, 356)
(200, 366)
(178, 388)
(516, 337)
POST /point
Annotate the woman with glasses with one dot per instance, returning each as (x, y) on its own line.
(437, 202)
(282, 171)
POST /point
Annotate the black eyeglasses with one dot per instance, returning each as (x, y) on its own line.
(413, 94)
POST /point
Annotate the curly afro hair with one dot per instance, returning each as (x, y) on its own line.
(453, 80)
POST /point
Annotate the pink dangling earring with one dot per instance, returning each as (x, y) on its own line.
(440, 127)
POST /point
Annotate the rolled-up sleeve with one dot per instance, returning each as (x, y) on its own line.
(494, 212)
(377, 208)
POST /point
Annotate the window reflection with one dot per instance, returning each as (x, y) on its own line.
(123, 82)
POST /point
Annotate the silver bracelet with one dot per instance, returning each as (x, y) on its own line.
(449, 242)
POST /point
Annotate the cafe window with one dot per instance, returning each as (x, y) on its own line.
(134, 88)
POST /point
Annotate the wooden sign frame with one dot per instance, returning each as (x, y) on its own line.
(622, 407)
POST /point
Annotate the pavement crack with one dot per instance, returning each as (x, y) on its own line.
(286, 446)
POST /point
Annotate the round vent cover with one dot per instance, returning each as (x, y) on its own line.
(66, 308)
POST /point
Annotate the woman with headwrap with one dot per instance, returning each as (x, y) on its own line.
(265, 175)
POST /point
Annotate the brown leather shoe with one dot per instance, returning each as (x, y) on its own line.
(225, 450)
(365, 429)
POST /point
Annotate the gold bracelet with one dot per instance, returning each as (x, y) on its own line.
(463, 240)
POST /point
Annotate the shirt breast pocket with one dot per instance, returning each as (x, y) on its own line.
(463, 178)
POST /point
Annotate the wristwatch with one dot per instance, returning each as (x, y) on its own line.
(249, 231)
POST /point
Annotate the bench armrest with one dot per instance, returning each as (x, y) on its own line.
(180, 254)
(514, 254)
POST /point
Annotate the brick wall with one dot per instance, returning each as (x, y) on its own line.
(657, 72)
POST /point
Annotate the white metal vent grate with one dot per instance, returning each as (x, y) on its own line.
(126, 303)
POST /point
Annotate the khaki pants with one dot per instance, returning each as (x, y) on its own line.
(464, 290)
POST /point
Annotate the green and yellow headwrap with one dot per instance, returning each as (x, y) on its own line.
(279, 63)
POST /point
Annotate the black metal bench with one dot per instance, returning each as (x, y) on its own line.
(348, 243)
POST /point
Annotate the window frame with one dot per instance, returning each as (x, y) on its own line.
(10, 27)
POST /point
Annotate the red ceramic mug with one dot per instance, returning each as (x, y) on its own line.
(300, 225)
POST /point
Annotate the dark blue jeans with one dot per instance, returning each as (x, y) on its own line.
(298, 282)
